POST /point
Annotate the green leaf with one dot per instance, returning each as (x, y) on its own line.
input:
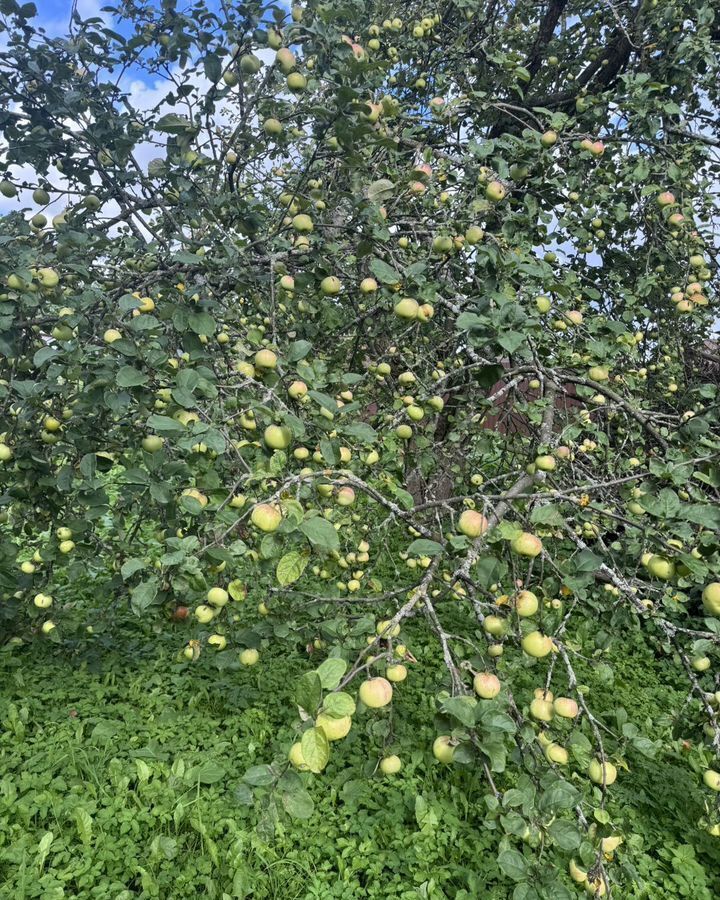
(127, 376)
(290, 567)
(362, 432)
(547, 515)
(513, 865)
(84, 825)
(259, 776)
(298, 350)
(380, 190)
(315, 749)
(209, 772)
(425, 547)
(461, 708)
(130, 567)
(383, 272)
(308, 692)
(143, 596)
(338, 704)
(511, 340)
(565, 834)
(320, 533)
(202, 323)
(298, 804)
(559, 795)
(331, 672)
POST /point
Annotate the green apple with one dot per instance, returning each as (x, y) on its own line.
(266, 517)
(249, 657)
(265, 359)
(390, 765)
(330, 285)
(526, 604)
(443, 749)
(204, 614)
(217, 596)
(536, 644)
(396, 672)
(526, 544)
(565, 707)
(711, 598)
(334, 729)
(277, 437)
(407, 308)
(152, 443)
(595, 772)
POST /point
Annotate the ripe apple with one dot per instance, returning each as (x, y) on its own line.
(277, 437)
(42, 601)
(486, 685)
(396, 673)
(217, 596)
(666, 198)
(407, 308)
(557, 754)
(386, 630)
(376, 692)
(296, 81)
(151, 443)
(526, 604)
(595, 772)
(495, 191)
(541, 709)
(204, 614)
(334, 729)
(249, 657)
(6, 453)
(66, 546)
(712, 779)
(48, 626)
(48, 278)
(711, 598)
(536, 644)
(330, 285)
(598, 373)
(112, 335)
(545, 463)
(297, 390)
(180, 613)
(285, 60)
(661, 568)
(494, 625)
(472, 523)
(218, 641)
(526, 544)
(443, 749)
(345, 496)
(296, 757)
(390, 765)
(549, 138)
(566, 707)
(266, 517)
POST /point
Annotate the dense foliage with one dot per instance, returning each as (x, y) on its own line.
(375, 318)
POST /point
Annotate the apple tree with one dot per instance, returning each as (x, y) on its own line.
(336, 326)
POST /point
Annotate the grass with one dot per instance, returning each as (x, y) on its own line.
(121, 777)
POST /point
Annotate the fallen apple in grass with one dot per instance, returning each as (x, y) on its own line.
(390, 765)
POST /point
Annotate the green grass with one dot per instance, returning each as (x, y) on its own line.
(121, 776)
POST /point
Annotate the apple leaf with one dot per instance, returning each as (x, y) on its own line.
(424, 547)
(320, 533)
(290, 567)
(331, 671)
(308, 692)
(338, 704)
(315, 749)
